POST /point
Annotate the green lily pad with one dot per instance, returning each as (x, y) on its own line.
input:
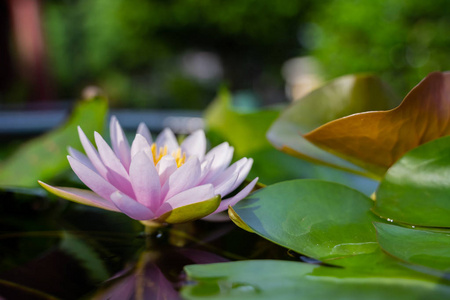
(45, 157)
(431, 249)
(269, 279)
(416, 189)
(323, 220)
(340, 97)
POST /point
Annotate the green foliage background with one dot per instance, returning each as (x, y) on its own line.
(132, 48)
(402, 41)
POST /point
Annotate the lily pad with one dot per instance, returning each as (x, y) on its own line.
(45, 157)
(246, 132)
(341, 97)
(431, 249)
(376, 140)
(323, 220)
(416, 189)
(269, 279)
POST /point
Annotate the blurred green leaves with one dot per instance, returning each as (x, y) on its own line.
(347, 38)
(246, 132)
(44, 158)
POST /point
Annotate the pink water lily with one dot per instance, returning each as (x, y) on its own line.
(156, 181)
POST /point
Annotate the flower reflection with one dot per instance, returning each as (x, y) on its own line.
(145, 280)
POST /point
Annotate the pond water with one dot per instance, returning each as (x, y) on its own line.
(54, 249)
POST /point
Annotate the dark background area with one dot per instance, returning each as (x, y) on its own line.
(176, 54)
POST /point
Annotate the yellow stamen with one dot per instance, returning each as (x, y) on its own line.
(158, 153)
(180, 157)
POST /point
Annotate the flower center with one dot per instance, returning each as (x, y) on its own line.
(158, 153)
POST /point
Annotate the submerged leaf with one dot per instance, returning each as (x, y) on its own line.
(376, 140)
(86, 255)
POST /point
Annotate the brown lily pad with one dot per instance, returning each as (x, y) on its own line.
(376, 140)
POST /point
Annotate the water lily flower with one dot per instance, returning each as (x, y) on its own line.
(157, 181)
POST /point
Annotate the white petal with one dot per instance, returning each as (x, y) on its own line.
(92, 153)
(243, 172)
(194, 195)
(143, 130)
(226, 180)
(81, 157)
(238, 197)
(145, 181)
(167, 138)
(166, 166)
(221, 156)
(139, 144)
(195, 144)
(119, 142)
(182, 179)
(205, 166)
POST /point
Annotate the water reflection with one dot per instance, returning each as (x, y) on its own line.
(145, 279)
(51, 250)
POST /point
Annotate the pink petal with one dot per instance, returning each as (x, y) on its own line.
(143, 130)
(119, 142)
(182, 179)
(145, 181)
(221, 156)
(194, 195)
(92, 153)
(131, 207)
(205, 166)
(117, 175)
(92, 179)
(243, 174)
(166, 166)
(217, 217)
(81, 157)
(225, 185)
(85, 197)
(139, 144)
(155, 286)
(195, 144)
(238, 197)
(226, 180)
(167, 138)
(200, 256)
